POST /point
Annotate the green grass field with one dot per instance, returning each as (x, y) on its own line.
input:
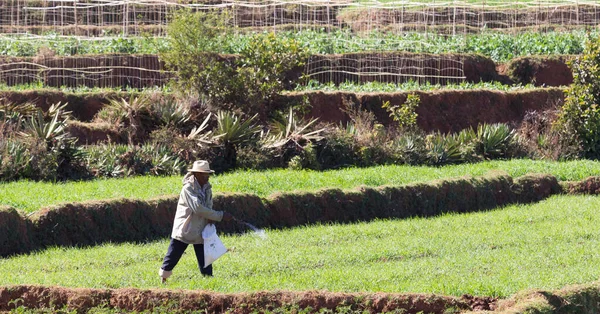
(544, 246)
(30, 196)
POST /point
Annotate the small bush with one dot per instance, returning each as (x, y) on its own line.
(579, 117)
(246, 82)
(410, 148)
(132, 117)
(540, 140)
(110, 160)
(337, 149)
(253, 156)
(405, 114)
(307, 159)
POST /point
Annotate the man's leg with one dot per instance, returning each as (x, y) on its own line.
(206, 271)
(174, 253)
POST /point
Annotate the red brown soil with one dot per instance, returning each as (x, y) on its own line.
(92, 133)
(538, 70)
(589, 185)
(445, 111)
(553, 73)
(129, 299)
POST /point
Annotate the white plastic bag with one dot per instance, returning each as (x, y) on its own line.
(213, 247)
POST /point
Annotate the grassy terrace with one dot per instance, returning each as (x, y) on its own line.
(499, 47)
(544, 246)
(30, 196)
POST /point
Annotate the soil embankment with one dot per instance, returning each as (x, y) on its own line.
(162, 300)
(444, 111)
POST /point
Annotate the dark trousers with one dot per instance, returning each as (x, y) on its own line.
(175, 251)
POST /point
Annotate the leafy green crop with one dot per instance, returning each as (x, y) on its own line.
(498, 46)
(368, 87)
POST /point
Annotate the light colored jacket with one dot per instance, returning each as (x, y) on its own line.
(194, 209)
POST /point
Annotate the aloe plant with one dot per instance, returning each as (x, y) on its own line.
(411, 148)
(172, 112)
(129, 115)
(231, 129)
(14, 112)
(36, 126)
(442, 150)
(292, 131)
(201, 136)
(494, 140)
(14, 158)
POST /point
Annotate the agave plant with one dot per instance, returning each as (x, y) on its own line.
(201, 136)
(13, 114)
(292, 131)
(495, 140)
(411, 148)
(103, 160)
(164, 162)
(442, 149)
(14, 157)
(128, 114)
(58, 109)
(36, 126)
(172, 112)
(232, 130)
(467, 142)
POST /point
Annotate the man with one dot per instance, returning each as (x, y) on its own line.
(194, 212)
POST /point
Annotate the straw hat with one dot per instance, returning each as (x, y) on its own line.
(201, 166)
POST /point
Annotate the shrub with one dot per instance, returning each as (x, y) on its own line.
(442, 149)
(337, 149)
(410, 148)
(307, 159)
(132, 117)
(263, 66)
(495, 140)
(374, 141)
(193, 39)
(405, 114)
(110, 160)
(540, 140)
(580, 113)
(248, 81)
(185, 147)
(254, 156)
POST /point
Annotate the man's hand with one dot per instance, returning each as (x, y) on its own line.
(227, 216)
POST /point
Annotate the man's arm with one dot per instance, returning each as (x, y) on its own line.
(198, 208)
